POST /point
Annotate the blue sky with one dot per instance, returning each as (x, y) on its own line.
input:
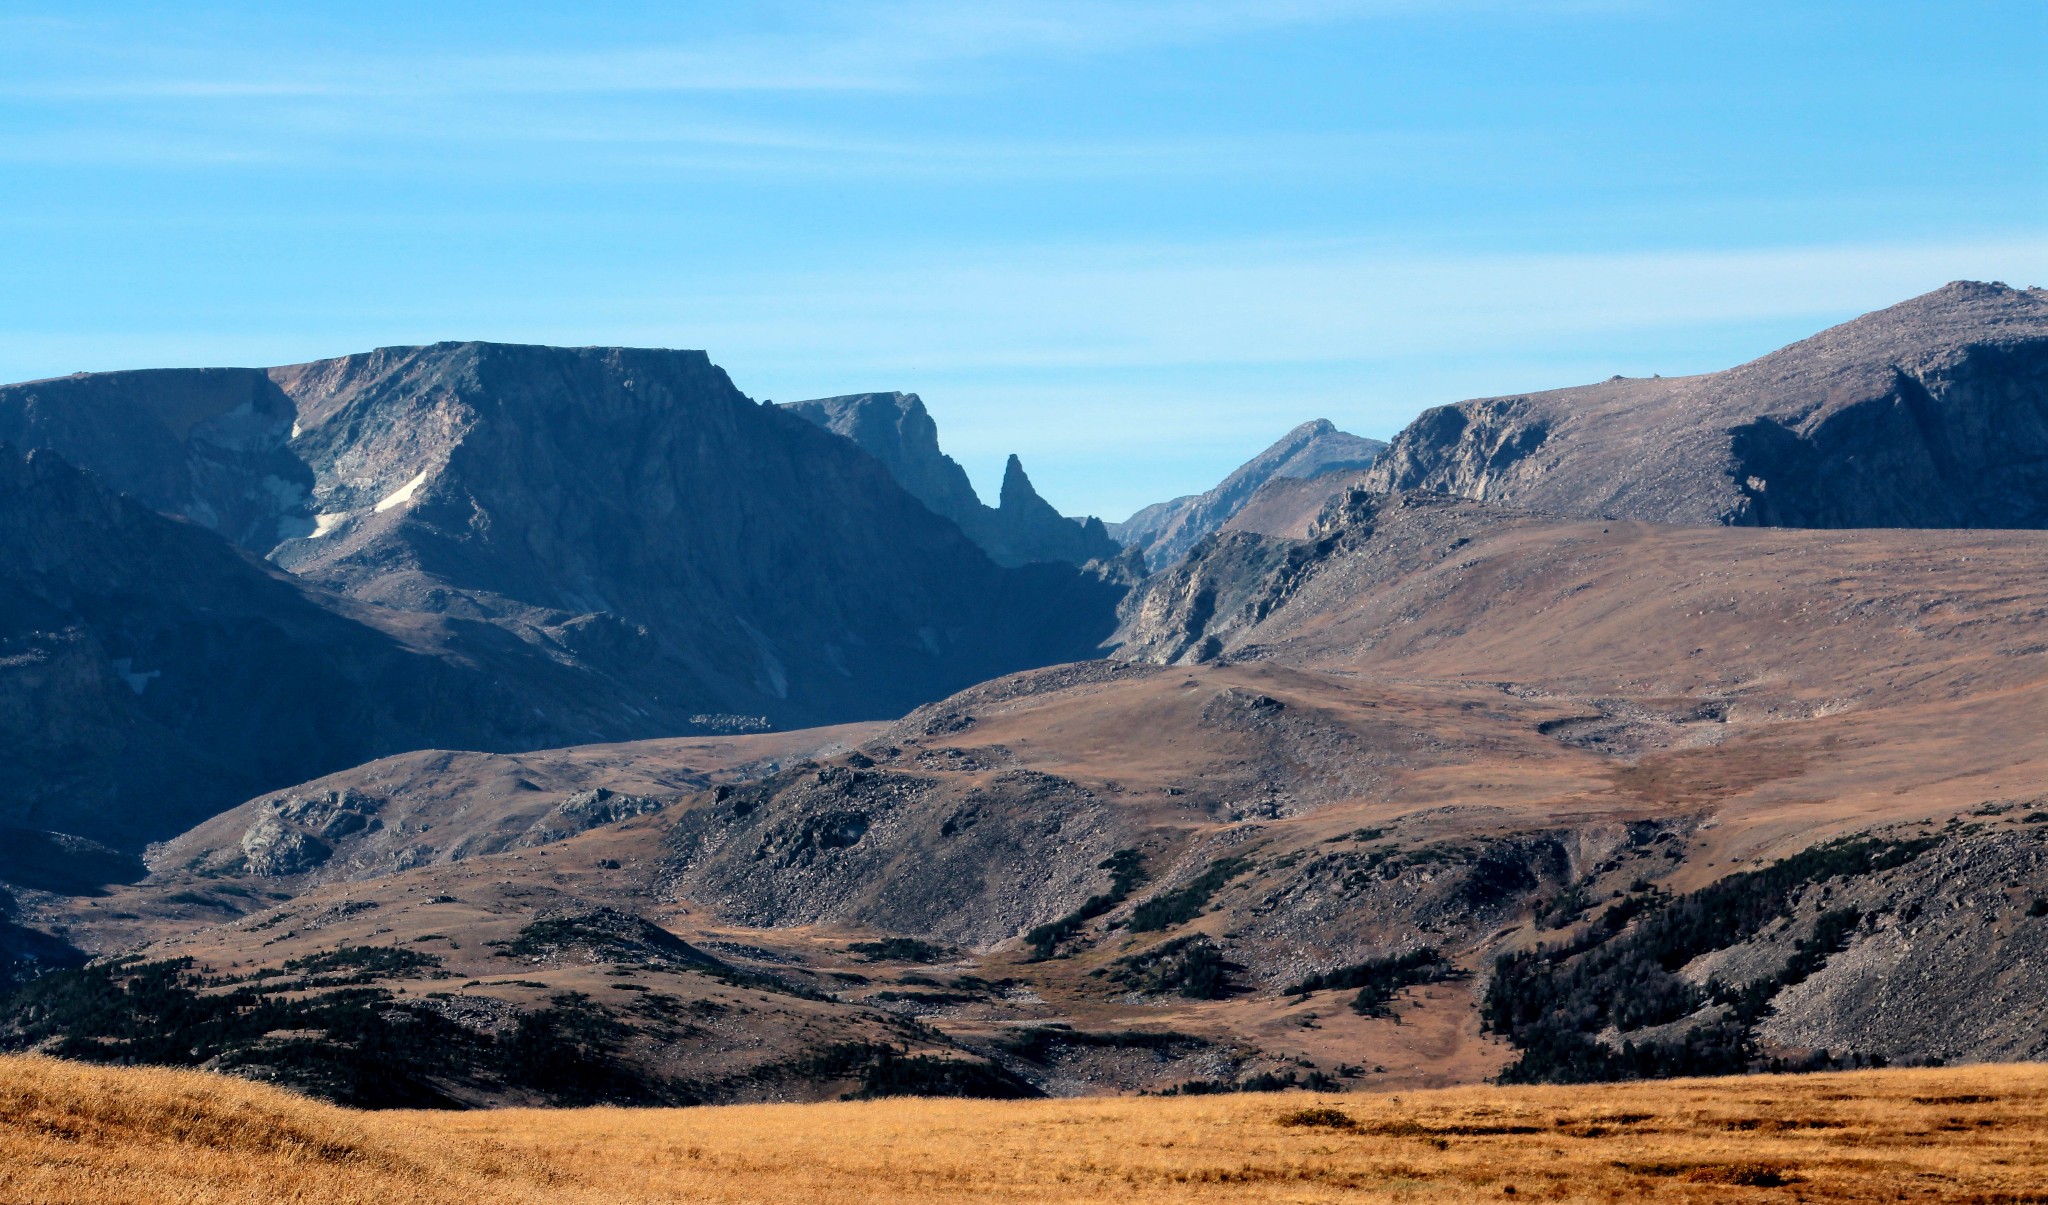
(1133, 242)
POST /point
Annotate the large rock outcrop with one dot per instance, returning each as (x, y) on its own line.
(1933, 413)
(895, 429)
(1217, 599)
(1165, 531)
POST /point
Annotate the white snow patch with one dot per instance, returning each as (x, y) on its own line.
(322, 524)
(402, 494)
(295, 431)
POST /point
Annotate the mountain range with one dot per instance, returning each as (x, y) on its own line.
(154, 673)
(1655, 727)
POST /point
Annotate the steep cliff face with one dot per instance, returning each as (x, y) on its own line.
(634, 509)
(1215, 601)
(152, 674)
(1166, 531)
(624, 512)
(895, 429)
(210, 444)
(1933, 413)
(1220, 591)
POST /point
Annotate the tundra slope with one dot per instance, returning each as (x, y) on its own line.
(1438, 733)
(1932, 413)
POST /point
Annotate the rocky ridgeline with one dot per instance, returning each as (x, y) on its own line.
(1933, 413)
(1165, 531)
(895, 429)
(627, 511)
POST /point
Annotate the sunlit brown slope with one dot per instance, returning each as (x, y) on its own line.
(1439, 726)
(1856, 675)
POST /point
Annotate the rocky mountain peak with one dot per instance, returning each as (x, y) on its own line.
(895, 429)
(1166, 531)
(1017, 494)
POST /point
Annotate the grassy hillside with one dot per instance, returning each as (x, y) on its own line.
(69, 1132)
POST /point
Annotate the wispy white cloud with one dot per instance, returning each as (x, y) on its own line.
(677, 98)
(817, 47)
(688, 147)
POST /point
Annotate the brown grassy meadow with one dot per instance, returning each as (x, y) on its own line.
(75, 1133)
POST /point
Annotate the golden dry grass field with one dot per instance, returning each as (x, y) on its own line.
(72, 1133)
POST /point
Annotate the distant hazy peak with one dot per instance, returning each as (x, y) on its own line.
(1165, 531)
(1309, 450)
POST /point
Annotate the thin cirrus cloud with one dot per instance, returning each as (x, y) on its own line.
(817, 48)
(383, 143)
(203, 100)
